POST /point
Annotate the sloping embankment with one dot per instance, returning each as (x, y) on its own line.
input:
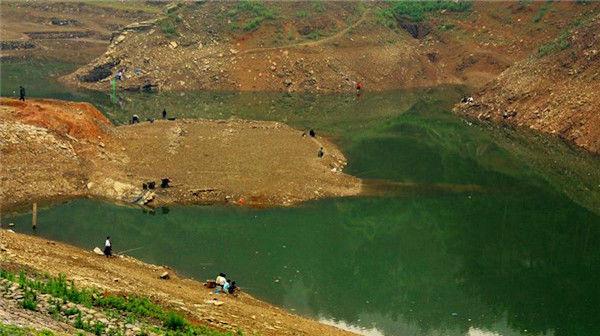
(554, 91)
(53, 149)
(126, 275)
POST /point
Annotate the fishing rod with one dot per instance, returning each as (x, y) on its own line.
(133, 249)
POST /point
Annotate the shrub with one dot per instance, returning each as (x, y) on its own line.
(29, 301)
(542, 12)
(302, 14)
(174, 321)
(168, 27)
(71, 311)
(561, 43)
(416, 10)
(257, 11)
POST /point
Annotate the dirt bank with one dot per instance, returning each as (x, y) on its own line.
(130, 276)
(300, 46)
(54, 149)
(555, 90)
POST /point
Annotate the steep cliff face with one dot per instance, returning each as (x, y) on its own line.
(556, 90)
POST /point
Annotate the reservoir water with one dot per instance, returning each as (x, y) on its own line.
(465, 229)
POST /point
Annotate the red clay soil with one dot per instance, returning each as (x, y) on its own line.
(83, 121)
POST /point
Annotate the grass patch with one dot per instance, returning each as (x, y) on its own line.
(418, 10)
(446, 27)
(168, 25)
(542, 11)
(133, 307)
(318, 6)
(174, 321)
(11, 330)
(302, 14)
(257, 12)
(559, 44)
(385, 17)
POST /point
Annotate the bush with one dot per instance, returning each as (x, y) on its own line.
(168, 27)
(29, 301)
(257, 11)
(174, 321)
(559, 44)
(416, 10)
(542, 12)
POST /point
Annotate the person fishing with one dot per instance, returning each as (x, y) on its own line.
(21, 93)
(108, 247)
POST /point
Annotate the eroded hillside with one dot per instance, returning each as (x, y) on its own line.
(325, 46)
(556, 90)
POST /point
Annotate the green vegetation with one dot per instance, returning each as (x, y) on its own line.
(174, 322)
(385, 17)
(318, 6)
(11, 330)
(561, 43)
(445, 27)
(256, 12)
(314, 35)
(168, 25)
(542, 11)
(417, 10)
(133, 307)
(302, 14)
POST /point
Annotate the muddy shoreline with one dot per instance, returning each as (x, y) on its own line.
(126, 275)
(63, 150)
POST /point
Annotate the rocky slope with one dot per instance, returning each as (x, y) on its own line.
(52, 149)
(323, 46)
(127, 277)
(556, 90)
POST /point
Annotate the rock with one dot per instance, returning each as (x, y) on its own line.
(214, 302)
(173, 44)
(98, 251)
(165, 276)
(119, 39)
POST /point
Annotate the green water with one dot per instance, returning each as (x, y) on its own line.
(518, 254)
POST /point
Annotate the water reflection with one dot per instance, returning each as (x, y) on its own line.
(474, 231)
(433, 265)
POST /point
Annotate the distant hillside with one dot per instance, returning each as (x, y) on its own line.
(322, 46)
(556, 90)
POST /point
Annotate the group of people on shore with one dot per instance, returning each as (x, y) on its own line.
(224, 285)
(221, 283)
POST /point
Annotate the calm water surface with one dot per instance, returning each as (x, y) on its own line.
(477, 230)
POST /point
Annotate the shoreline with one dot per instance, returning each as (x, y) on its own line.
(64, 150)
(127, 275)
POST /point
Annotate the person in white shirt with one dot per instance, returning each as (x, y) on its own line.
(221, 279)
(107, 247)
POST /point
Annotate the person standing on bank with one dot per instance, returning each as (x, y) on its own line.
(107, 247)
(21, 93)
